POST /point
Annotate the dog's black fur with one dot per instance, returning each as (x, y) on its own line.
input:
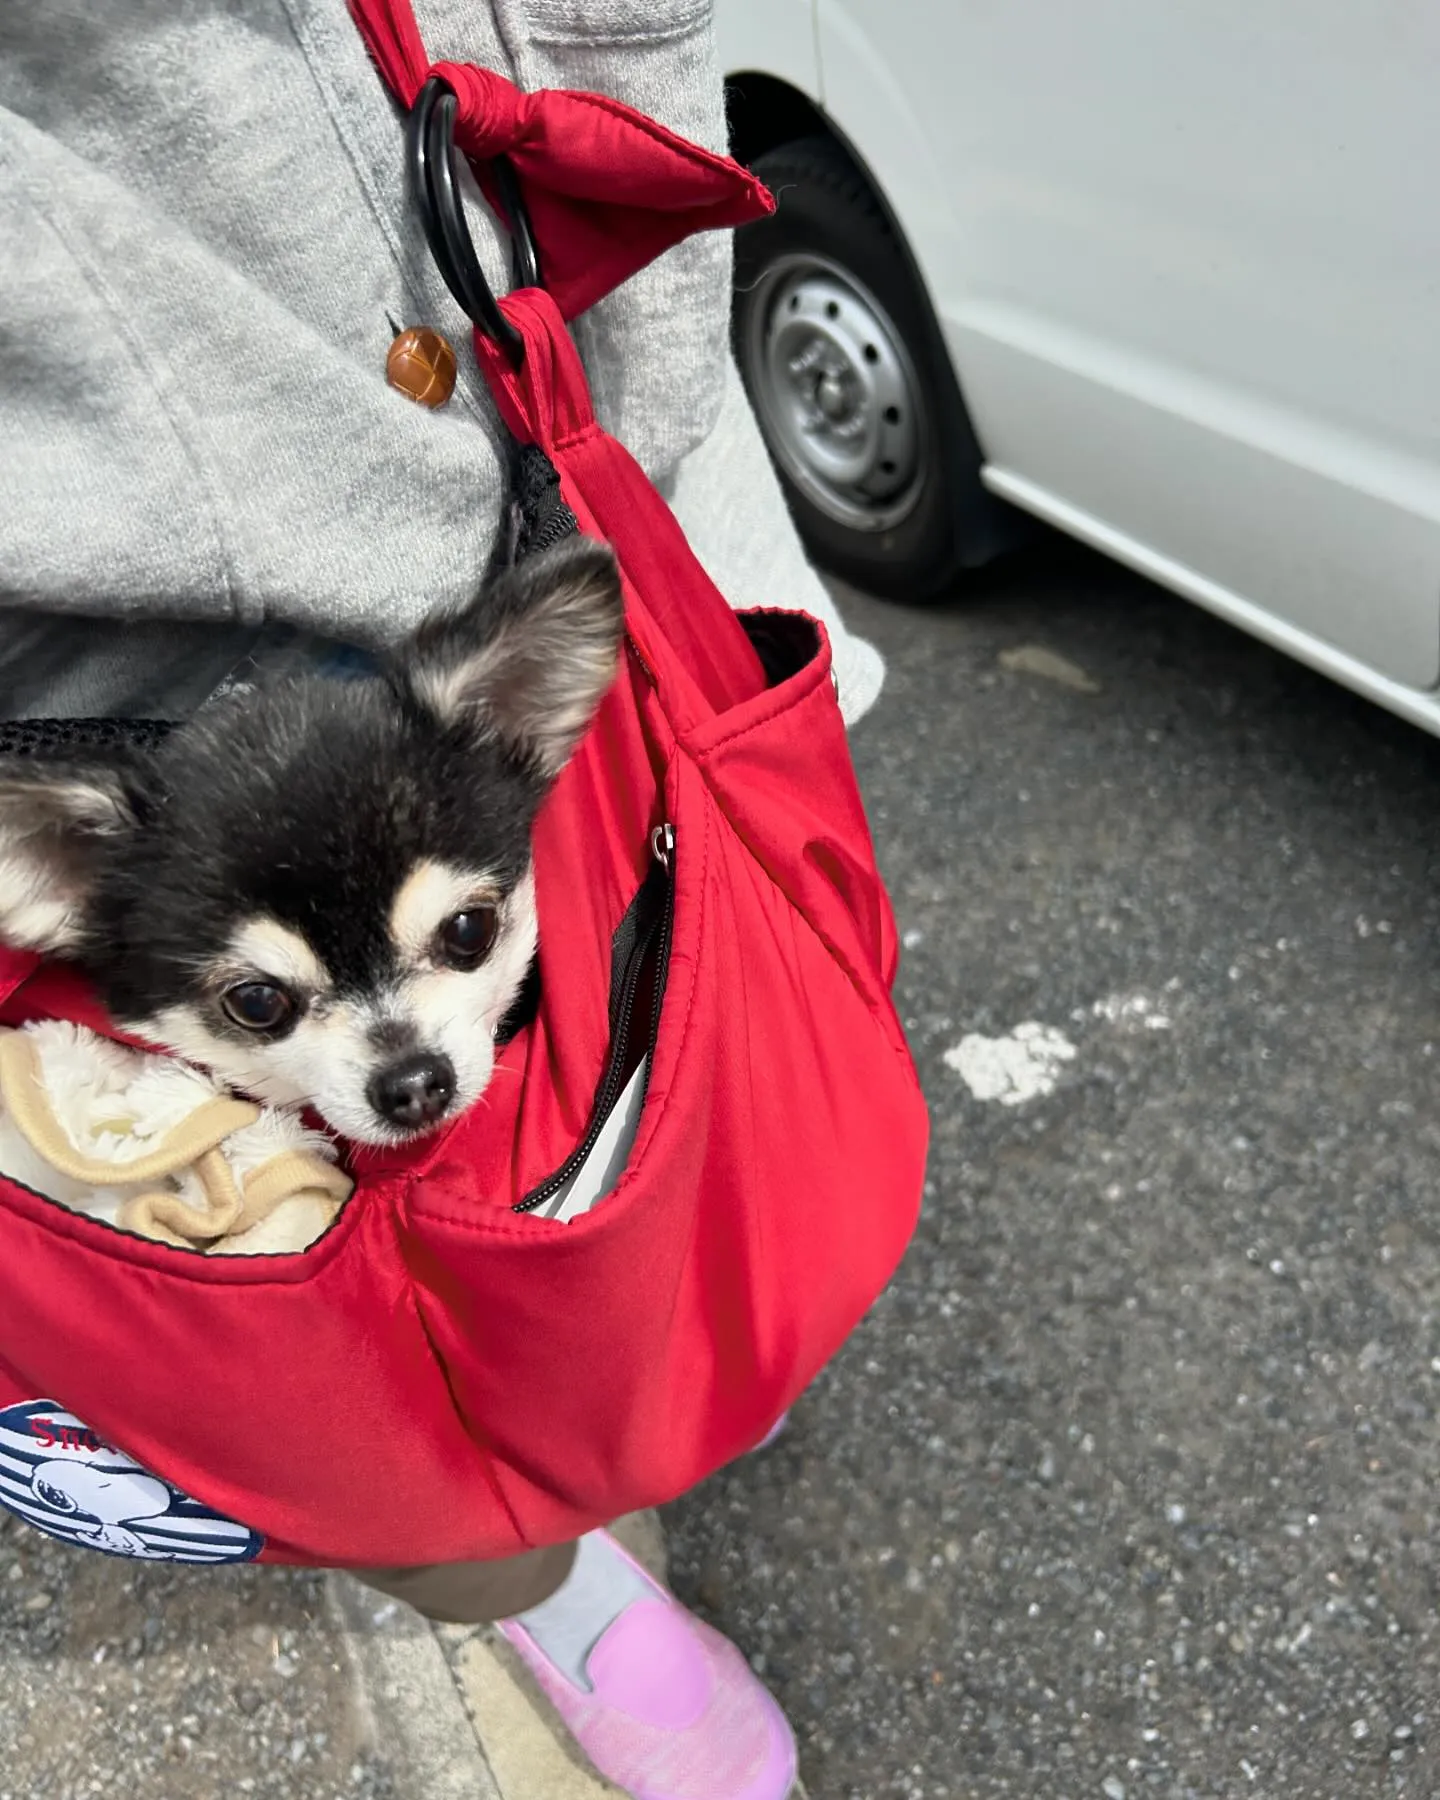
(310, 803)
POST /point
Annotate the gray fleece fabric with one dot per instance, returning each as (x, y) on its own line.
(203, 240)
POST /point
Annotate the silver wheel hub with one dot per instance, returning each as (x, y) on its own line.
(836, 392)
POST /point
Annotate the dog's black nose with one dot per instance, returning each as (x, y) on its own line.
(414, 1091)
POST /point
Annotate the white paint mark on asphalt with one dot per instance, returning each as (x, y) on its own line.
(1025, 1065)
(1049, 665)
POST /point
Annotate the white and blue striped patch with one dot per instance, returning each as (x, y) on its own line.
(61, 1477)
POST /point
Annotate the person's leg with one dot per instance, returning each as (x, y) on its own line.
(476, 1593)
(664, 1707)
(567, 1596)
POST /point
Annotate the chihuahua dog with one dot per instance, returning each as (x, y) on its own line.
(321, 889)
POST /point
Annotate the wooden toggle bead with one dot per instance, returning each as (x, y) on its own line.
(421, 365)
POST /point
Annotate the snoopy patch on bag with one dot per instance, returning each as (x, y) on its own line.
(61, 1477)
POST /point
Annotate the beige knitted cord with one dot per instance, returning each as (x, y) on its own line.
(194, 1146)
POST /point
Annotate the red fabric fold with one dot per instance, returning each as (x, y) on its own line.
(607, 189)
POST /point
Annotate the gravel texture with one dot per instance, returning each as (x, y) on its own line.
(125, 1680)
(1127, 1486)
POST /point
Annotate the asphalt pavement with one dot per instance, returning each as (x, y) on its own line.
(126, 1681)
(1127, 1487)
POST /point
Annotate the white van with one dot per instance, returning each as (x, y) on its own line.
(1167, 276)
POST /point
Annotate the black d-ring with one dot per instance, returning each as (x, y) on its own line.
(430, 160)
(524, 252)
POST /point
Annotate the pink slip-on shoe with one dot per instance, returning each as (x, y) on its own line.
(674, 1711)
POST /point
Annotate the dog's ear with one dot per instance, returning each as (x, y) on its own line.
(531, 659)
(57, 820)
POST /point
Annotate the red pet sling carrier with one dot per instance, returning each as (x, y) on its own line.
(442, 1376)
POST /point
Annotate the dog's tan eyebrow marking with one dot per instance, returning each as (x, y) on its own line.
(264, 946)
(431, 893)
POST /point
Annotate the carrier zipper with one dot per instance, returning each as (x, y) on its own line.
(655, 935)
(662, 848)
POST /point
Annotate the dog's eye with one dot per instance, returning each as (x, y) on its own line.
(257, 1005)
(466, 939)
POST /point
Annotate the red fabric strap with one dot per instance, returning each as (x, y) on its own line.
(685, 630)
(608, 190)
